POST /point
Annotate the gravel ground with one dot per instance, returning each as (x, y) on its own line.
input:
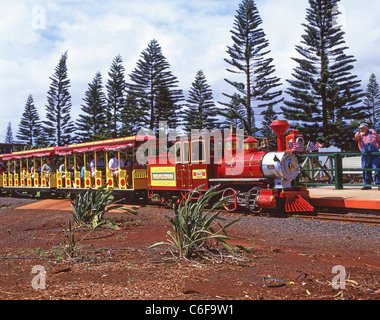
(309, 233)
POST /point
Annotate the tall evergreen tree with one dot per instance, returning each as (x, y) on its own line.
(372, 102)
(256, 82)
(324, 93)
(29, 131)
(58, 125)
(269, 116)
(9, 134)
(155, 89)
(235, 113)
(201, 111)
(130, 115)
(116, 100)
(91, 122)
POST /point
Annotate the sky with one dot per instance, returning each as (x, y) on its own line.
(193, 35)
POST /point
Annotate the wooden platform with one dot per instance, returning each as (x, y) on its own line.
(349, 198)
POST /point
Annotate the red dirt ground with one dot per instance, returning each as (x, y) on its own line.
(118, 264)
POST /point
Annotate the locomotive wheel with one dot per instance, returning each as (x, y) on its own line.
(169, 203)
(231, 204)
(168, 200)
(252, 200)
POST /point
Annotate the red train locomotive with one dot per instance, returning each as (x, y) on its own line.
(253, 179)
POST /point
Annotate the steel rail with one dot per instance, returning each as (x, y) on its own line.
(338, 217)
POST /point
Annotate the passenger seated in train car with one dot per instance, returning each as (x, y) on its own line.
(83, 169)
(129, 169)
(62, 169)
(49, 167)
(89, 160)
(2, 170)
(77, 167)
(137, 165)
(99, 165)
(24, 172)
(122, 161)
(113, 165)
(35, 168)
(15, 168)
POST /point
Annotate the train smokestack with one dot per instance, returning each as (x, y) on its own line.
(280, 127)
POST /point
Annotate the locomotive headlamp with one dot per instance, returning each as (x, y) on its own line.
(292, 165)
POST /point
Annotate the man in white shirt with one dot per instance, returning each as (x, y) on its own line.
(113, 165)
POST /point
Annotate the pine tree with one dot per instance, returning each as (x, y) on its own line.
(372, 102)
(58, 125)
(155, 89)
(201, 111)
(130, 115)
(116, 100)
(91, 122)
(29, 131)
(269, 115)
(9, 134)
(248, 58)
(235, 113)
(324, 93)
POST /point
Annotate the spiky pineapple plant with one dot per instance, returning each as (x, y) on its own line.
(194, 227)
(90, 207)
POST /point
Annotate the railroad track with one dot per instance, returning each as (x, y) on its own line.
(366, 219)
(338, 217)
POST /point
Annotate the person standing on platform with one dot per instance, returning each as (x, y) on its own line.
(368, 143)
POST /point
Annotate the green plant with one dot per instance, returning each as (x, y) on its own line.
(71, 245)
(72, 249)
(90, 207)
(194, 229)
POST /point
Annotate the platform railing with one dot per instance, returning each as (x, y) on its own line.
(332, 169)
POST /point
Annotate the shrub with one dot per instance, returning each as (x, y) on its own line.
(194, 229)
(90, 207)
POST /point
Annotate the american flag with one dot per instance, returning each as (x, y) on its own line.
(313, 147)
(296, 146)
